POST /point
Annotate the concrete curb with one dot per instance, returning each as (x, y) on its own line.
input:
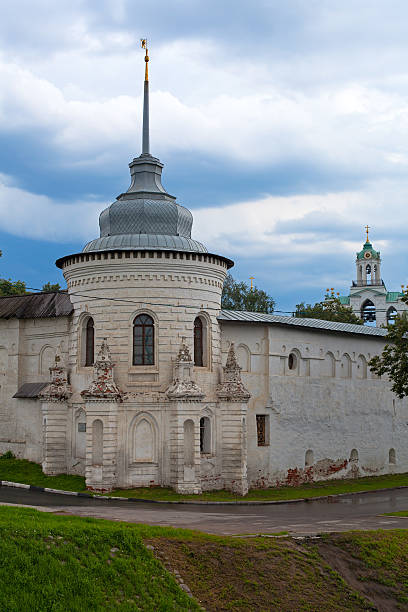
(19, 485)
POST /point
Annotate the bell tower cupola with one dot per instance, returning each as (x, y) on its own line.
(368, 264)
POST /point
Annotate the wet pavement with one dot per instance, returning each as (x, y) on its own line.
(360, 511)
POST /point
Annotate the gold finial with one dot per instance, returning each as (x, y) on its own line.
(252, 278)
(143, 42)
(367, 227)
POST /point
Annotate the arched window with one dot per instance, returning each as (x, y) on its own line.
(205, 435)
(143, 340)
(309, 458)
(354, 455)
(391, 456)
(368, 269)
(391, 314)
(89, 342)
(368, 312)
(198, 342)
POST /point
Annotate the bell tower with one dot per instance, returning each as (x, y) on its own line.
(368, 264)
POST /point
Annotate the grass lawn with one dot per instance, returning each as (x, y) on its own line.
(58, 563)
(27, 472)
(69, 563)
(21, 470)
(402, 513)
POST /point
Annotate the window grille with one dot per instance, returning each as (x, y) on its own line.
(198, 342)
(261, 429)
(143, 340)
(89, 342)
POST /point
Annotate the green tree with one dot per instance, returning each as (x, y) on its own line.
(9, 287)
(330, 309)
(50, 287)
(240, 296)
(394, 359)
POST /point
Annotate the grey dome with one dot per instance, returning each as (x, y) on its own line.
(146, 216)
(145, 242)
(142, 216)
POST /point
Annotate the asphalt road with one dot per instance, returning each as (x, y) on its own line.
(361, 511)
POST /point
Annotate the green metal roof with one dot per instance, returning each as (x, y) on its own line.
(344, 299)
(392, 296)
(368, 247)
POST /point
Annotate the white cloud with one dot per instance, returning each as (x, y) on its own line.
(37, 216)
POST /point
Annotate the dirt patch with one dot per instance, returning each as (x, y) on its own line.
(356, 575)
(375, 564)
(257, 574)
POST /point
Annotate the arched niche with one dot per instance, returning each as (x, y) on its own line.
(244, 357)
(143, 439)
(354, 455)
(345, 368)
(97, 442)
(80, 434)
(392, 458)
(309, 458)
(47, 359)
(361, 367)
(329, 365)
(189, 443)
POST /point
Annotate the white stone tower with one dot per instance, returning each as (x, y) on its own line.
(143, 289)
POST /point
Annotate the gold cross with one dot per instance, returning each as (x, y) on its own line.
(367, 227)
(252, 278)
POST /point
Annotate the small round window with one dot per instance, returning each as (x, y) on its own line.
(292, 361)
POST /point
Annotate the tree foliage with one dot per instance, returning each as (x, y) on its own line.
(9, 287)
(51, 287)
(394, 359)
(330, 309)
(239, 296)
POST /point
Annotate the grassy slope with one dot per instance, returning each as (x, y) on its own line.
(60, 563)
(68, 563)
(20, 470)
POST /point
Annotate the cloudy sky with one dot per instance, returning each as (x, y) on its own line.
(283, 126)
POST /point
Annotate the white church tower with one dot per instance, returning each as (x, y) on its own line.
(369, 297)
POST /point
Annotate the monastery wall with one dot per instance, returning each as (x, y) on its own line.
(326, 417)
(27, 351)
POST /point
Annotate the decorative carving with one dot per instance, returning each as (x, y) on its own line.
(103, 385)
(232, 388)
(183, 386)
(184, 352)
(58, 389)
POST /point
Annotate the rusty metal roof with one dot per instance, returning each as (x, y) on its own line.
(36, 305)
(30, 390)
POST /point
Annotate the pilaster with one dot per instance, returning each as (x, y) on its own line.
(102, 400)
(54, 406)
(233, 403)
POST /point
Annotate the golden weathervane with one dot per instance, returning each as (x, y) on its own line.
(143, 42)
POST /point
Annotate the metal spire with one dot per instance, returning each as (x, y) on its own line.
(145, 136)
